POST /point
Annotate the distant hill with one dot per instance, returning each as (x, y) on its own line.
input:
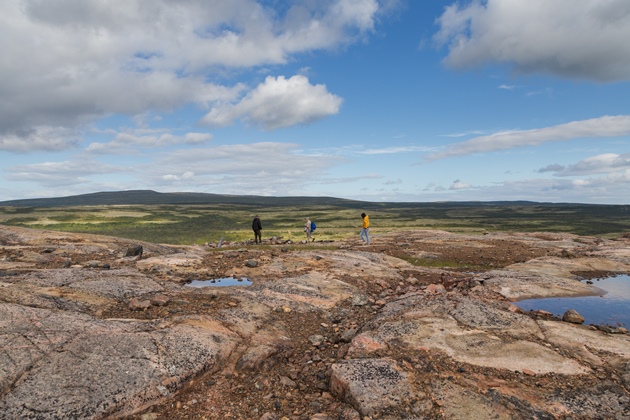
(148, 197)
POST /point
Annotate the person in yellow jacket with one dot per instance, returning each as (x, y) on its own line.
(365, 236)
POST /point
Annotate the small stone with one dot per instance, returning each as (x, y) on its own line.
(348, 335)
(316, 340)
(359, 300)
(287, 382)
(159, 300)
(134, 251)
(573, 316)
(136, 304)
(514, 309)
(435, 289)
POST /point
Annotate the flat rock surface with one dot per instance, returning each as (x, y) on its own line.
(336, 330)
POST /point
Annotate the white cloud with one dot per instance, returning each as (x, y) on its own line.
(50, 139)
(173, 177)
(69, 62)
(260, 168)
(460, 185)
(130, 142)
(586, 39)
(615, 184)
(265, 168)
(278, 103)
(346, 180)
(60, 174)
(395, 149)
(393, 181)
(607, 126)
(601, 164)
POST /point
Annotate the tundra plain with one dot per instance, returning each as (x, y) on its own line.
(420, 324)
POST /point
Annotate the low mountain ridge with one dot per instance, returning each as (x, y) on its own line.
(148, 197)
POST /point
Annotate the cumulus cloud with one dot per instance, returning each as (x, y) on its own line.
(618, 182)
(129, 142)
(68, 62)
(345, 180)
(60, 174)
(278, 103)
(584, 39)
(178, 177)
(607, 126)
(46, 138)
(601, 164)
(265, 168)
(460, 185)
(393, 181)
(395, 149)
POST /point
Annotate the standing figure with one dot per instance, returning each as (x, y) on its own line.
(365, 236)
(257, 227)
(307, 229)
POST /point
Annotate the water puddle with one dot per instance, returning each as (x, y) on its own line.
(222, 282)
(610, 308)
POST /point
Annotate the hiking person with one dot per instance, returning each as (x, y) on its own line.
(257, 227)
(365, 236)
(307, 229)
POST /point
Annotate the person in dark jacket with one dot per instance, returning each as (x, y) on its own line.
(257, 227)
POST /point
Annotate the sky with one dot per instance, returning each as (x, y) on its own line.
(375, 100)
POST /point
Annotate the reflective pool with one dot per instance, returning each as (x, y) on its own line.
(610, 308)
(222, 282)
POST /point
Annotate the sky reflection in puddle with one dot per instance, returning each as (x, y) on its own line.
(222, 282)
(612, 308)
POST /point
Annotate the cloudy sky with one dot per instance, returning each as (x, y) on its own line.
(378, 100)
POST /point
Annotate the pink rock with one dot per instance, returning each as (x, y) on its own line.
(160, 300)
(139, 305)
(435, 289)
(365, 344)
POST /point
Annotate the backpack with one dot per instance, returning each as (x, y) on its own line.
(313, 226)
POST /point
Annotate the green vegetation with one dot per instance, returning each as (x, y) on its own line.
(229, 217)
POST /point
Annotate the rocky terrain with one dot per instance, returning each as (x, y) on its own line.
(102, 327)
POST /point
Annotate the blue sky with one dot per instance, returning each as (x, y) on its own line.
(377, 100)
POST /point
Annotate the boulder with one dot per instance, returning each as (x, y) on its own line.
(371, 385)
(573, 316)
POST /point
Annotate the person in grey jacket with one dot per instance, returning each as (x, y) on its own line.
(257, 227)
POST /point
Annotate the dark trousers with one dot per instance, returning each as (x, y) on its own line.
(257, 236)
